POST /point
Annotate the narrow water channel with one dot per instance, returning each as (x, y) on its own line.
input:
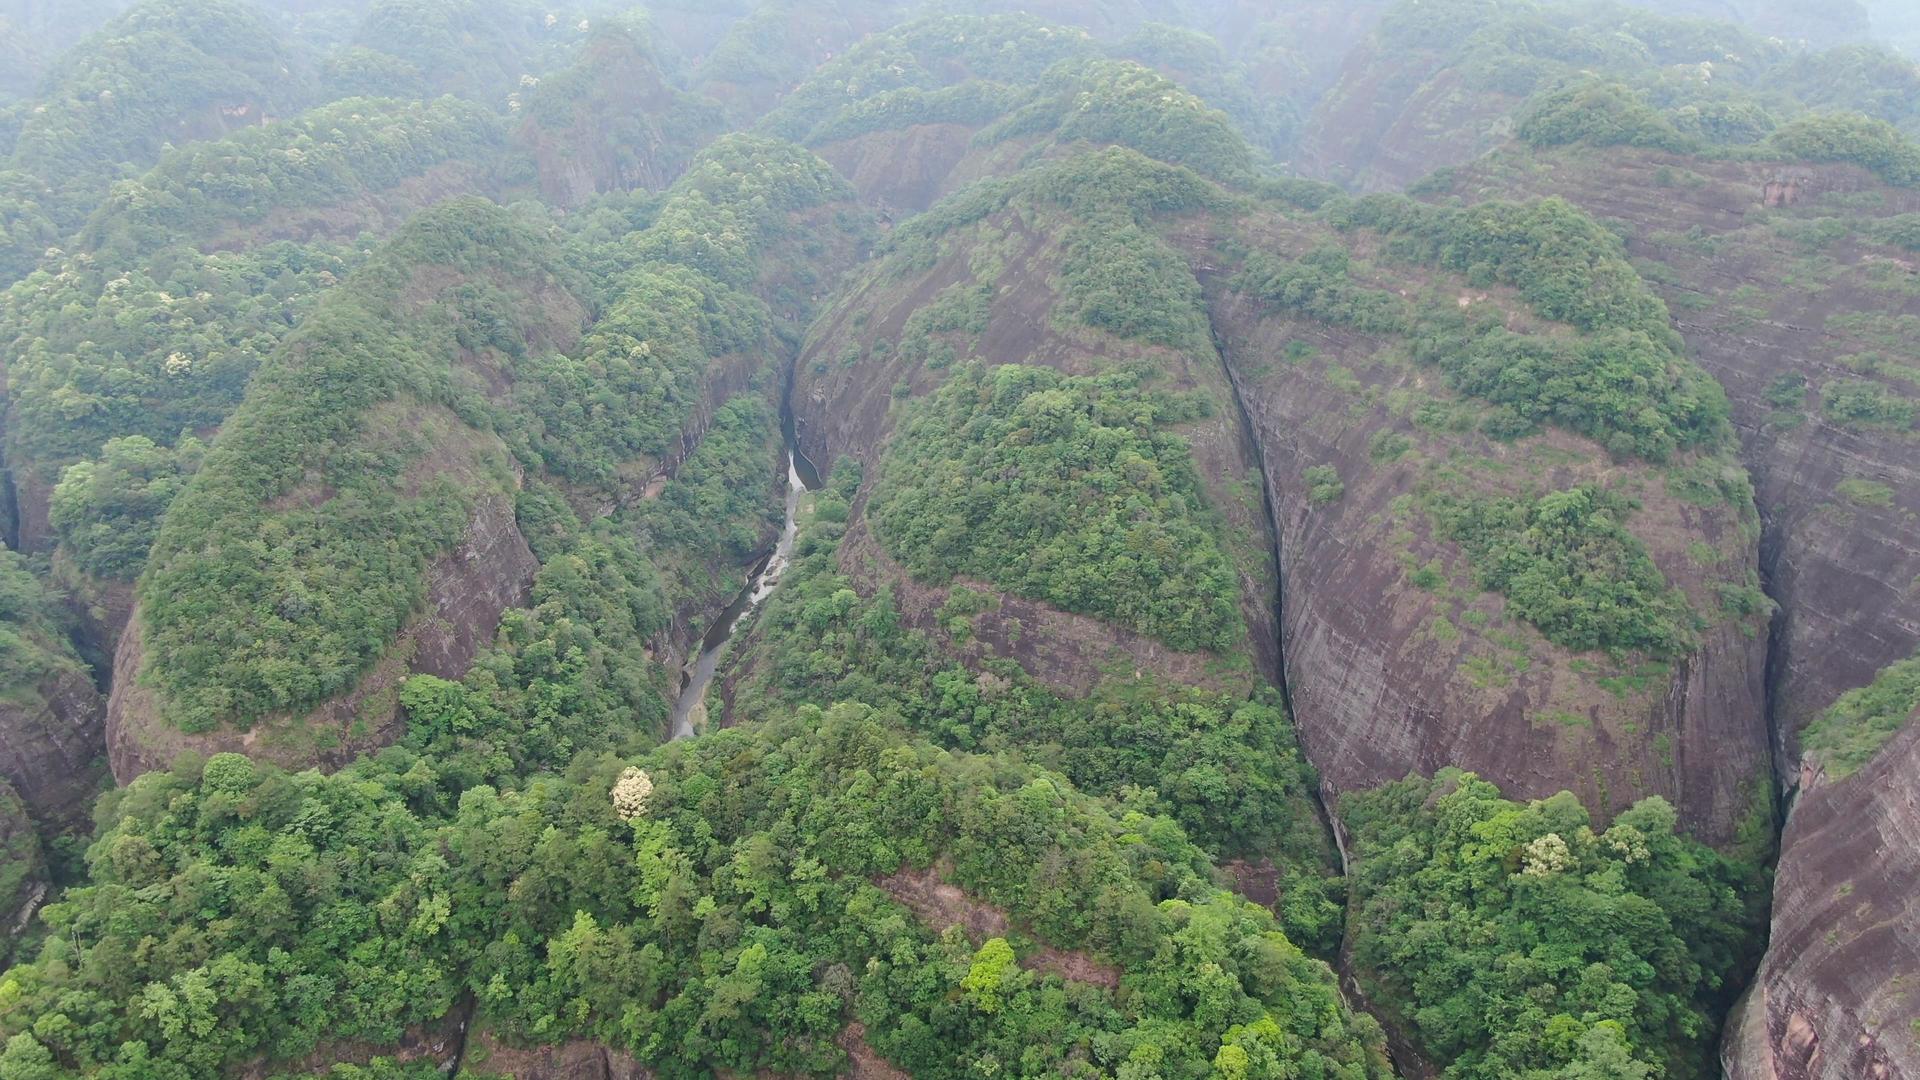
(690, 710)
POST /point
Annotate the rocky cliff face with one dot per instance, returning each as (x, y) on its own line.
(51, 736)
(1789, 322)
(1785, 327)
(101, 609)
(1393, 117)
(1834, 999)
(576, 1060)
(23, 876)
(440, 1043)
(1388, 677)
(909, 169)
(847, 408)
(490, 571)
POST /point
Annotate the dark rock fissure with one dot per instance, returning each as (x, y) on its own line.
(1404, 1057)
(464, 1034)
(1327, 818)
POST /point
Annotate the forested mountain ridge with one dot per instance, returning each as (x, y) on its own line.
(1226, 623)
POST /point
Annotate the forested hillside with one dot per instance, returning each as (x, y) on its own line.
(1134, 539)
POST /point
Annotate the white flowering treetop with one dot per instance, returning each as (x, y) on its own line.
(630, 794)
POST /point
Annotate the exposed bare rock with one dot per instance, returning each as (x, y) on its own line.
(843, 408)
(630, 130)
(1069, 653)
(1835, 997)
(1845, 569)
(1394, 117)
(51, 738)
(941, 904)
(369, 212)
(909, 169)
(490, 571)
(866, 1065)
(23, 870)
(32, 506)
(1387, 678)
(439, 1042)
(101, 610)
(575, 1060)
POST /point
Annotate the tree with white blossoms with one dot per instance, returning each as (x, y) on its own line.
(1547, 855)
(630, 794)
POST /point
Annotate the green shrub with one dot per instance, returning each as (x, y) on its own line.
(1117, 102)
(1567, 563)
(1850, 733)
(300, 548)
(1864, 492)
(355, 905)
(1122, 279)
(1866, 404)
(33, 630)
(1323, 484)
(943, 68)
(100, 351)
(333, 155)
(1853, 139)
(1319, 286)
(106, 513)
(1600, 113)
(1626, 383)
(1787, 391)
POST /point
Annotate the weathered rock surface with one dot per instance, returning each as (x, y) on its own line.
(101, 609)
(1775, 323)
(439, 1042)
(23, 877)
(1836, 995)
(848, 409)
(490, 571)
(1388, 679)
(1844, 568)
(575, 1060)
(1394, 117)
(909, 169)
(51, 738)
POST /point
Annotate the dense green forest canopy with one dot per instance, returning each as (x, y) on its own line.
(1519, 941)
(315, 310)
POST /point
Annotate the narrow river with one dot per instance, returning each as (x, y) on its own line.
(690, 710)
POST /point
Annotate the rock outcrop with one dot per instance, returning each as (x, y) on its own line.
(848, 409)
(440, 1043)
(1834, 999)
(578, 1059)
(1388, 678)
(1393, 118)
(51, 738)
(1837, 498)
(909, 169)
(23, 870)
(1838, 553)
(490, 571)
